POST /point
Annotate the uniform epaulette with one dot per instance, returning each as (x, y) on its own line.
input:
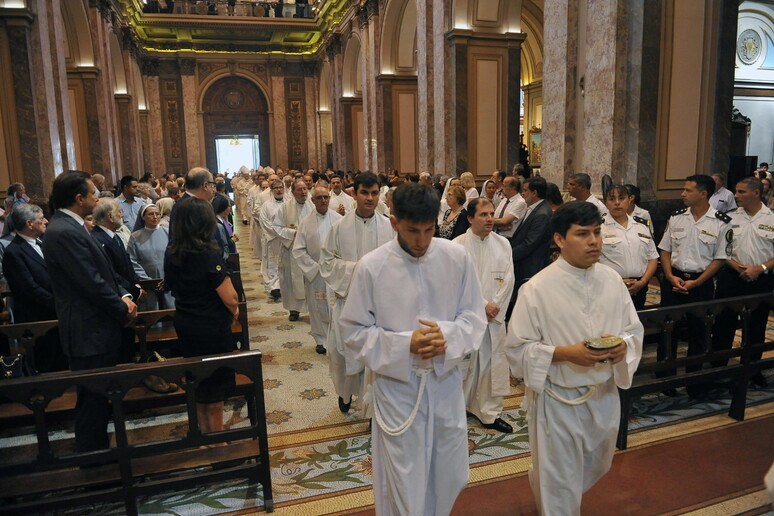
(680, 212)
(644, 222)
(722, 216)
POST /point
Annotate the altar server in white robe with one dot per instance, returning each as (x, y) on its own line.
(572, 401)
(271, 243)
(285, 225)
(312, 231)
(341, 202)
(255, 225)
(414, 311)
(352, 237)
(486, 375)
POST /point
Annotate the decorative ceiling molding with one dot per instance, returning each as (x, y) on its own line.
(159, 34)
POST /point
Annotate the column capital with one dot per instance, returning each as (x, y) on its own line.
(149, 66)
(187, 66)
(20, 17)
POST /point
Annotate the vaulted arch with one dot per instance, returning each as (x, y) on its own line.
(399, 38)
(352, 85)
(78, 46)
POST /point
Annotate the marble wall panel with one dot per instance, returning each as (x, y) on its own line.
(155, 128)
(279, 155)
(191, 125)
(426, 84)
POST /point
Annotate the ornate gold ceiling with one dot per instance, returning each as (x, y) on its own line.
(184, 33)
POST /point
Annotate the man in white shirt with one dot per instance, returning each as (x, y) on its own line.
(511, 211)
(312, 233)
(285, 224)
(722, 200)
(487, 380)
(359, 232)
(271, 243)
(128, 201)
(414, 311)
(579, 187)
(573, 408)
(750, 240)
(252, 210)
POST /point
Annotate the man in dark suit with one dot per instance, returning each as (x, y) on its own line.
(108, 218)
(33, 299)
(92, 307)
(531, 243)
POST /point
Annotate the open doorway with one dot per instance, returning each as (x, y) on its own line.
(235, 151)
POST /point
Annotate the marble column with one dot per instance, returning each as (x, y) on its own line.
(426, 82)
(36, 40)
(335, 58)
(190, 113)
(312, 123)
(150, 73)
(279, 153)
(126, 137)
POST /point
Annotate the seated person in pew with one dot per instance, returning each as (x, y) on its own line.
(206, 303)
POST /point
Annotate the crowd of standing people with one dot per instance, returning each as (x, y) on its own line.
(425, 294)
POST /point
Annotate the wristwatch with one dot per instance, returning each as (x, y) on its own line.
(765, 269)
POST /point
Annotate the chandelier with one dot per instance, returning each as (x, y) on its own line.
(234, 141)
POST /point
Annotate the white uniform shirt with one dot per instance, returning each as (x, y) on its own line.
(515, 206)
(338, 200)
(751, 239)
(627, 250)
(723, 200)
(694, 244)
(599, 204)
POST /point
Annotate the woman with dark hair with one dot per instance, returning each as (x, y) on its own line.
(205, 301)
(553, 196)
(455, 219)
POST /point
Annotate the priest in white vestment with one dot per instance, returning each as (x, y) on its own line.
(352, 237)
(271, 243)
(341, 202)
(285, 225)
(255, 225)
(487, 378)
(414, 311)
(241, 185)
(573, 407)
(312, 232)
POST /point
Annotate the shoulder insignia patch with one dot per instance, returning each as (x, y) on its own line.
(722, 217)
(644, 222)
(680, 212)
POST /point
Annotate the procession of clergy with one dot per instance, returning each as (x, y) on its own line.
(447, 302)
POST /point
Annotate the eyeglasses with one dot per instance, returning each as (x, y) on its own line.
(212, 183)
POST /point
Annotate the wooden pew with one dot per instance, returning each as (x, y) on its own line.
(655, 375)
(120, 472)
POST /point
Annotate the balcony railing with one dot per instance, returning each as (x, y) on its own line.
(243, 8)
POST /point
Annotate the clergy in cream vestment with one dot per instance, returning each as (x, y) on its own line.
(271, 243)
(312, 232)
(487, 379)
(285, 225)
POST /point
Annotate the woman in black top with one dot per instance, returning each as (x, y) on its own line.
(205, 303)
(455, 220)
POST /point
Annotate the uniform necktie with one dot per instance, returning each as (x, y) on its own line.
(118, 241)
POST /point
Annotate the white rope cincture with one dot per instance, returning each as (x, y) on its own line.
(575, 402)
(400, 430)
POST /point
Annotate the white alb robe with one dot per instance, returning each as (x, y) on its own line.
(350, 238)
(254, 212)
(312, 231)
(241, 185)
(271, 245)
(422, 471)
(572, 446)
(291, 278)
(487, 379)
(342, 198)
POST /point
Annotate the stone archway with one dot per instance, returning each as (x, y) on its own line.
(234, 106)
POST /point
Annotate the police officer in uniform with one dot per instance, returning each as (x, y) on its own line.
(627, 245)
(750, 248)
(692, 252)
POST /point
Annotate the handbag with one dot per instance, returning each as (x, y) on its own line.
(16, 366)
